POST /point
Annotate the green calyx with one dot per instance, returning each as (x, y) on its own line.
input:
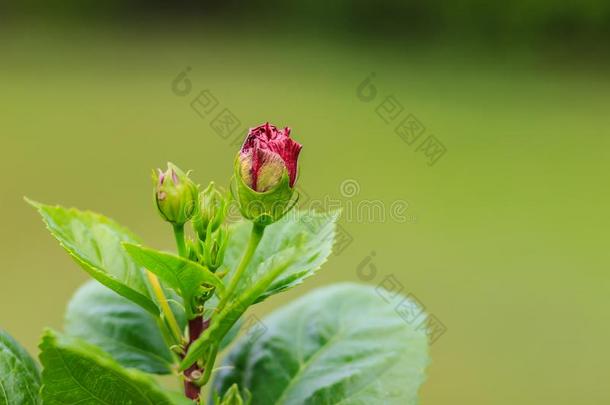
(263, 208)
(176, 195)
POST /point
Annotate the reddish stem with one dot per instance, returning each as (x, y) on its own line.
(196, 327)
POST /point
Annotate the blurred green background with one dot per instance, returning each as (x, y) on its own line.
(504, 239)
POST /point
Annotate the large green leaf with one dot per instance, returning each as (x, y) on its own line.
(185, 276)
(337, 345)
(310, 233)
(122, 329)
(19, 375)
(76, 372)
(94, 241)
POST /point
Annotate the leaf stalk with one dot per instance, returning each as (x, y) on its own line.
(255, 237)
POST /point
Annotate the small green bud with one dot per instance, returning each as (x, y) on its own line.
(195, 249)
(214, 248)
(212, 211)
(176, 195)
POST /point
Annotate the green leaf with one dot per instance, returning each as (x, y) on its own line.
(227, 340)
(185, 276)
(77, 372)
(307, 234)
(19, 375)
(94, 241)
(337, 345)
(122, 329)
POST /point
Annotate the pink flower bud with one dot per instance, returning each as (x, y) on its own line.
(266, 153)
(265, 173)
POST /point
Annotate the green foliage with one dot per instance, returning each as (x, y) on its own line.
(77, 372)
(94, 241)
(306, 236)
(340, 344)
(183, 275)
(19, 375)
(291, 250)
(119, 327)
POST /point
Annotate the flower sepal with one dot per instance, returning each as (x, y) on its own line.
(263, 208)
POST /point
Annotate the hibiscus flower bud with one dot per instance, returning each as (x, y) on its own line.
(176, 195)
(265, 172)
(212, 211)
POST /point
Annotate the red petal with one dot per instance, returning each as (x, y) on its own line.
(268, 137)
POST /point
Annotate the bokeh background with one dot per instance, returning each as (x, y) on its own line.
(505, 237)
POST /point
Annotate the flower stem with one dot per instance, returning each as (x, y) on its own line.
(192, 389)
(165, 309)
(180, 243)
(255, 237)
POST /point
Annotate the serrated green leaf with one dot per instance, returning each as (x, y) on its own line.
(185, 276)
(310, 233)
(94, 241)
(19, 375)
(119, 327)
(77, 372)
(337, 345)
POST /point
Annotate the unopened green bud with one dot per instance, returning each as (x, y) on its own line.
(176, 195)
(214, 248)
(212, 211)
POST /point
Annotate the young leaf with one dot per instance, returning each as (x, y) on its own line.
(122, 329)
(185, 276)
(19, 375)
(77, 372)
(339, 344)
(94, 241)
(312, 233)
